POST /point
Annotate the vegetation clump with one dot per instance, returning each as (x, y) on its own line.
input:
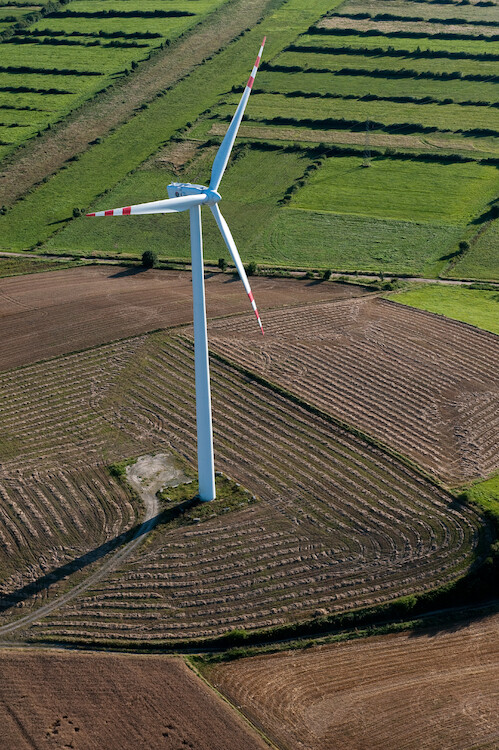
(181, 506)
(149, 259)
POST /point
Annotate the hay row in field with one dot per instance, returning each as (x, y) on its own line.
(436, 399)
(341, 523)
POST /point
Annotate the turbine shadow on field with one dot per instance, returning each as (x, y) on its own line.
(80, 563)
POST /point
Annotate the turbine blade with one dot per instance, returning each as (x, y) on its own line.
(223, 152)
(167, 206)
(229, 241)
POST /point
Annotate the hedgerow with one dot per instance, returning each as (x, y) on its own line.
(401, 34)
(391, 52)
(383, 73)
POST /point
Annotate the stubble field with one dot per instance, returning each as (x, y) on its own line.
(343, 526)
(116, 702)
(414, 691)
(436, 399)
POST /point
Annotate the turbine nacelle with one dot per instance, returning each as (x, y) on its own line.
(181, 189)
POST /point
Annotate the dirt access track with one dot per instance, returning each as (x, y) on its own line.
(48, 314)
(91, 701)
(417, 691)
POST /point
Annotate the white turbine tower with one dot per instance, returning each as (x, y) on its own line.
(183, 197)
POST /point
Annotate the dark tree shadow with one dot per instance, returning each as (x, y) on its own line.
(58, 574)
(129, 271)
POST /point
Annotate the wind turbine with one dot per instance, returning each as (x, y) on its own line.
(183, 197)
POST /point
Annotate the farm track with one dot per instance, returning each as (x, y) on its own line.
(421, 690)
(96, 118)
(341, 523)
(435, 399)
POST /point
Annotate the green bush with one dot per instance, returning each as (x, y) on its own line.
(149, 258)
(251, 269)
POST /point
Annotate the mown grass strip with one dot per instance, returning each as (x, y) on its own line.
(477, 307)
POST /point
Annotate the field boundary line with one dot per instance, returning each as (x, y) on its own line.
(255, 726)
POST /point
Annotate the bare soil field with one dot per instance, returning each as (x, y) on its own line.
(421, 27)
(49, 314)
(340, 523)
(91, 701)
(340, 136)
(44, 156)
(423, 384)
(416, 691)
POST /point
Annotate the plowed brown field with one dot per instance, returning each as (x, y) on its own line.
(63, 311)
(423, 384)
(108, 702)
(419, 691)
(341, 523)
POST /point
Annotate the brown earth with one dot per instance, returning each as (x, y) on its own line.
(49, 314)
(341, 524)
(425, 27)
(423, 384)
(94, 119)
(109, 702)
(417, 691)
(342, 136)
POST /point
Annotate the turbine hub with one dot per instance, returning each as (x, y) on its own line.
(180, 189)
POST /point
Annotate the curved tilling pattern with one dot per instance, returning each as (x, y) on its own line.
(341, 523)
(425, 385)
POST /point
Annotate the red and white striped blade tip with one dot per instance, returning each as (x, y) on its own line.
(251, 79)
(255, 310)
(125, 211)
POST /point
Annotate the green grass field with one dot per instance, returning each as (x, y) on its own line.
(310, 239)
(367, 62)
(397, 217)
(448, 117)
(476, 307)
(403, 190)
(471, 46)
(481, 261)
(486, 495)
(265, 231)
(254, 184)
(322, 83)
(47, 209)
(100, 58)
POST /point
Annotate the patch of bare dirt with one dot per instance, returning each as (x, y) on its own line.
(425, 27)
(114, 702)
(342, 136)
(173, 157)
(47, 314)
(44, 156)
(414, 691)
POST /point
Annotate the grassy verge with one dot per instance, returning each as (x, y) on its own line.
(21, 266)
(474, 306)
